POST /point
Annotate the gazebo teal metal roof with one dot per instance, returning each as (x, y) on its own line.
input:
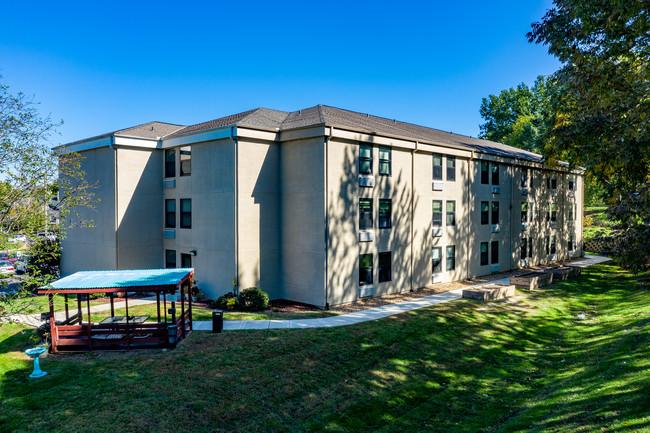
(119, 281)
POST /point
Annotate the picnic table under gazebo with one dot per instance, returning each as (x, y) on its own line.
(78, 333)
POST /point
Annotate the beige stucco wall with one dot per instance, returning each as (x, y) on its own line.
(211, 187)
(93, 248)
(139, 221)
(303, 220)
(259, 229)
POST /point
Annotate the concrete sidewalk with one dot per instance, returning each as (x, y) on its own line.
(371, 313)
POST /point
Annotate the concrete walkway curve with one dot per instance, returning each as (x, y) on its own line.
(369, 314)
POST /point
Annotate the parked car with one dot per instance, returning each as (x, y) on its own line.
(46, 236)
(21, 266)
(6, 267)
(18, 239)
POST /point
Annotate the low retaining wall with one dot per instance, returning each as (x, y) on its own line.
(532, 281)
(491, 292)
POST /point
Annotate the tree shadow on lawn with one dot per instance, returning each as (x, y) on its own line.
(461, 366)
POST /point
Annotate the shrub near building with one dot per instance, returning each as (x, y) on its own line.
(253, 299)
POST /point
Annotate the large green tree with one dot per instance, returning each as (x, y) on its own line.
(31, 174)
(518, 116)
(600, 115)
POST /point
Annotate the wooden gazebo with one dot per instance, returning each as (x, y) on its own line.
(78, 333)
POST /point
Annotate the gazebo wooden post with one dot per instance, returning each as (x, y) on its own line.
(165, 305)
(90, 337)
(158, 304)
(53, 333)
(182, 312)
(112, 297)
(128, 337)
(67, 313)
(189, 306)
(79, 309)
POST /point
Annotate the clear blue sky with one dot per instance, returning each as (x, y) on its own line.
(102, 66)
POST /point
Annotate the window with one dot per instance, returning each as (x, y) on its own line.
(554, 183)
(451, 168)
(524, 212)
(365, 214)
(485, 212)
(436, 261)
(451, 258)
(437, 213)
(437, 166)
(572, 242)
(495, 212)
(553, 247)
(451, 213)
(524, 177)
(495, 174)
(384, 160)
(495, 252)
(548, 182)
(553, 212)
(548, 246)
(186, 160)
(548, 212)
(170, 213)
(170, 258)
(484, 253)
(524, 246)
(571, 185)
(571, 215)
(365, 269)
(384, 213)
(170, 163)
(384, 267)
(186, 213)
(530, 247)
(186, 260)
(365, 159)
(485, 173)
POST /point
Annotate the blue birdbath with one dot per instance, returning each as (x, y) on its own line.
(35, 352)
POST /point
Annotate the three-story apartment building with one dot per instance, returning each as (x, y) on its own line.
(321, 206)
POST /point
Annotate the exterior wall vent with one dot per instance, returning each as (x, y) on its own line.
(169, 233)
(367, 181)
(552, 257)
(438, 186)
(366, 291)
(437, 278)
(496, 190)
(437, 232)
(496, 228)
(169, 183)
(366, 236)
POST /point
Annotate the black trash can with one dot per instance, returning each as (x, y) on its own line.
(217, 321)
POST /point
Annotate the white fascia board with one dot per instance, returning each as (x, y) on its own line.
(80, 146)
(209, 135)
(146, 143)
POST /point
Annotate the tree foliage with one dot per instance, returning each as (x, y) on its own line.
(518, 116)
(600, 116)
(31, 174)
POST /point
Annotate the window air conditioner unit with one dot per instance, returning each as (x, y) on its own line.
(495, 268)
(496, 190)
(437, 278)
(169, 183)
(437, 232)
(554, 192)
(523, 263)
(367, 181)
(524, 227)
(438, 186)
(571, 223)
(496, 228)
(553, 224)
(524, 191)
(169, 233)
(366, 291)
(552, 257)
(572, 193)
(366, 236)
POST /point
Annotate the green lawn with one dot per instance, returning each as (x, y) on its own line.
(530, 364)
